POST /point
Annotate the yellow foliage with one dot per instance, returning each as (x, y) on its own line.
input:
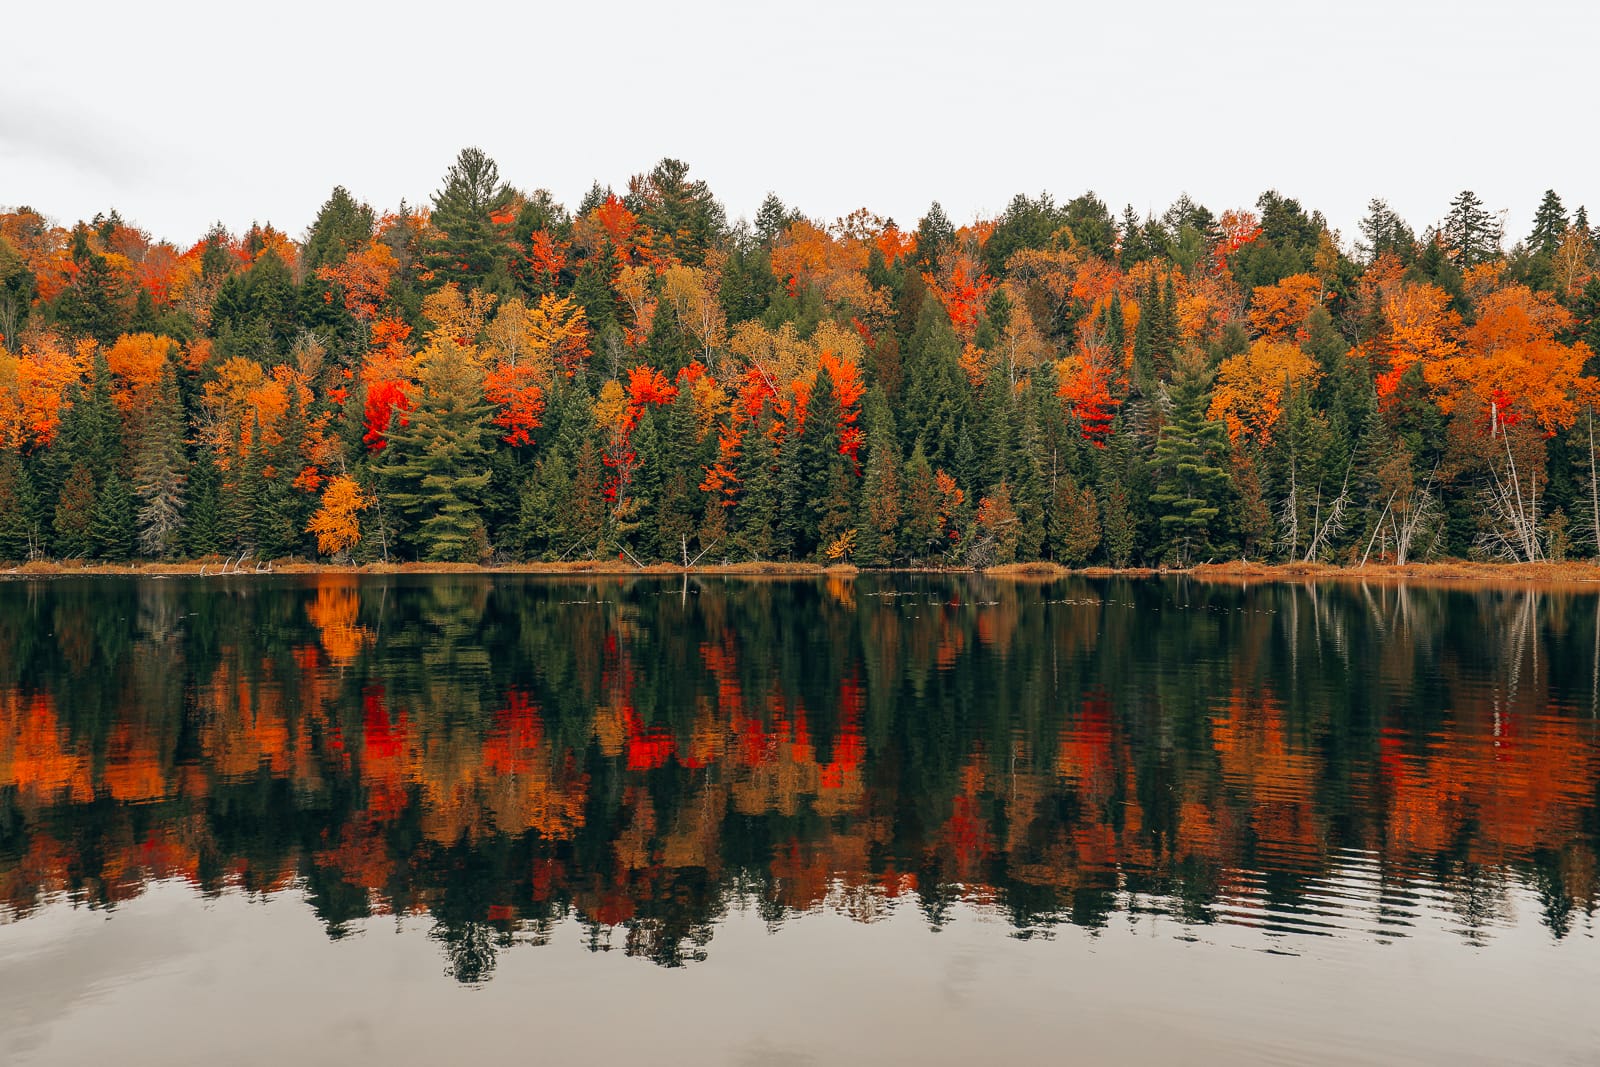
(1249, 394)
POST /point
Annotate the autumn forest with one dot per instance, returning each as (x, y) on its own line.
(493, 376)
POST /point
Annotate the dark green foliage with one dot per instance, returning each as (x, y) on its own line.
(1471, 231)
(469, 250)
(1192, 478)
(937, 396)
(434, 466)
(20, 533)
(341, 227)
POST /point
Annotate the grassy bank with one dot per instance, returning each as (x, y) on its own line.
(1456, 572)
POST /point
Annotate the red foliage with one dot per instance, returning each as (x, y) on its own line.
(384, 399)
(515, 391)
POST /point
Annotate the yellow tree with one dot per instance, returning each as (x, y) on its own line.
(1249, 393)
(337, 522)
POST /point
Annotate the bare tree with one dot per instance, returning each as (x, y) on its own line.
(1511, 500)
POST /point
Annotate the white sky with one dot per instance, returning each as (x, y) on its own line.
(181, 114)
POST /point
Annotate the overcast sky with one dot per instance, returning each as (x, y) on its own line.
(182, 114)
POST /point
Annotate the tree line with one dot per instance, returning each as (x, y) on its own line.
(496, 377)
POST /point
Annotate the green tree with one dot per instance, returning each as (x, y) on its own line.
(111, 525)
(19, 509)
(161, 470)
(436, 462)
(342, 226)
(1192, 477)
(1471, 231)
(1074, 527)
(1549, 225)
(469, 249)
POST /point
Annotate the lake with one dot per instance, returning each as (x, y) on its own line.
(889, 819)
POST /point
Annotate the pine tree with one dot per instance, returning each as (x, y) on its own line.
(1192, 474)
(436, 462)
(468, 249)
(161, 471)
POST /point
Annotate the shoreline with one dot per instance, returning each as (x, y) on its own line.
(1456, 573)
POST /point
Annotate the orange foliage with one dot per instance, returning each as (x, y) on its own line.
(31, 387)
(137, 361)
(1279, 311)
(363, 278)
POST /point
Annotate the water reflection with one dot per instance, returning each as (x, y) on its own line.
(500, 755)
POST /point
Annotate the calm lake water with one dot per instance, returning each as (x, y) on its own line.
(324, 819)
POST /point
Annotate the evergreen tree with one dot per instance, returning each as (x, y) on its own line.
(937, 396)
(19, 509)
(202, 513)
(880, 487)
(469, 250)
(111, 526)
(1471, 231)
(161, 470)
(756, 511)
(1549, 225)
(1030, 490)
(1193, 481)
(74, 513)
(1116, 521)
(342, 226)
(98, 302)
(1134, 245)
(435, 461)
(1074, 527)
(1385, 232)
(935, 235)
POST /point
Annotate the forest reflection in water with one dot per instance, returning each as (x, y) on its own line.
(498, 756)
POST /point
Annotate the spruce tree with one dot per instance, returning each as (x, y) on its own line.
(202, 513)
(74, 512)
(1074, 526)
(1116, 521)
(19, 509)
(1549, 225)
(1030, 490)
(1471, 231)
(937, 395)
(342, 226)
(111, 526)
